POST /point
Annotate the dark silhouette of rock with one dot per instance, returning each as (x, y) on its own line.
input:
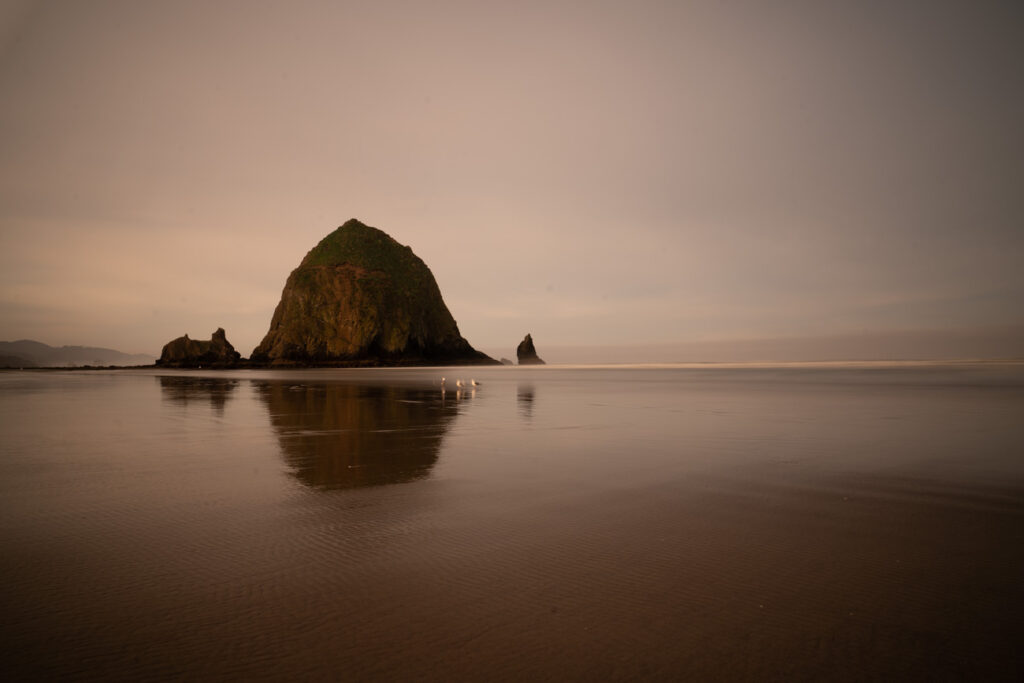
(526, 354)
(191, 353)
(361, 298)
(505, 361)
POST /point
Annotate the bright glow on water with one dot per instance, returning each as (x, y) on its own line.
(596, 523)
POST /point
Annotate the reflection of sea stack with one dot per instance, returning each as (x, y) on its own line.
(342, 436)
(526, 354)
(524, 396)
(189, 353)
(185, 390)
(361, 298)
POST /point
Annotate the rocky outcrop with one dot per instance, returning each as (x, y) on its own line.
(192, 353)
(526, 354)
(361, 298)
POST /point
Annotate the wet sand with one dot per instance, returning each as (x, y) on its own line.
(629, 524)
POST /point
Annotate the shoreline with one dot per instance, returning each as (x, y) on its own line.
(375, 365)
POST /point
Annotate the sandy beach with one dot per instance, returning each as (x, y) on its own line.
(556, 524)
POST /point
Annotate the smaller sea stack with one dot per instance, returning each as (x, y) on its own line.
(527, 354)
(193, 353)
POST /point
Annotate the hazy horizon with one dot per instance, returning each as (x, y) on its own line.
(909, 345)
(690, 180)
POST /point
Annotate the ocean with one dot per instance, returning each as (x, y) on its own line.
(703, 522)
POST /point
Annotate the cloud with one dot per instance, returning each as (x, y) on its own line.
(598, 174)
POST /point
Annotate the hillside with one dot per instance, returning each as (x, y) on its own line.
(30, 353)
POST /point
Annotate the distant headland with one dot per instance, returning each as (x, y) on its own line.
(27, 353)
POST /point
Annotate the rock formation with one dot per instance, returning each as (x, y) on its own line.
(361, 298)
(191, 353)
(526, 354)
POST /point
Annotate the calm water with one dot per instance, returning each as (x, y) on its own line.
(795, 523)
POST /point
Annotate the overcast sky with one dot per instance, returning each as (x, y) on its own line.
(596, 173)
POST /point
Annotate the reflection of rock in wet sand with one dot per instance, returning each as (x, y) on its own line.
(524, 397)
(342, 436)
(183, 390)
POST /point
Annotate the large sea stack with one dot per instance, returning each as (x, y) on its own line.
(361, 298)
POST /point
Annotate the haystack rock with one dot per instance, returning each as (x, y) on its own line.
(361, 298)
(526, 354)
(190, 353)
